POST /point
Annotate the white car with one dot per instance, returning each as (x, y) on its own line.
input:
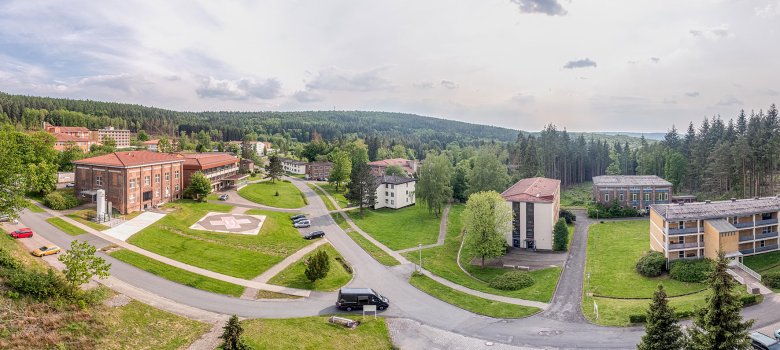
(302, 224)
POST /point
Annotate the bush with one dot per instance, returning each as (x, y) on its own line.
(651, 264)
(639, 318)
(317, 266)
(6, 260)
(568, 216)
(560, 235)
(611, 210)
(512, 280)
(690, 270)
(771, 280)
(39, 285)
(60, 201)
(748, 299)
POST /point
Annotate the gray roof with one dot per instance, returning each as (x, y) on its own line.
(393, 180)
(629, 180)
(718, 209)
(292, 161)
(721, 225)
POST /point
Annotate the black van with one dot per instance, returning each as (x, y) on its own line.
(354, 298)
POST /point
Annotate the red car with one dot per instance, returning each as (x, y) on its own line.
(22, 233)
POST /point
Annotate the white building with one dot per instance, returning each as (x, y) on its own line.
(151, 145)
(394, 192)
(535, 204)
(294, 166)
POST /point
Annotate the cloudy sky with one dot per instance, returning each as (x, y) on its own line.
(584, 65)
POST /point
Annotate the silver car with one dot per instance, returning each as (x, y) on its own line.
(302, 224)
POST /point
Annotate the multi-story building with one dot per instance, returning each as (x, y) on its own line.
(637, 191)
(702, 229)
(293, 166)
(75, 131)
(220, 168)
(121, 137)
(318, 170)
(68, 135)
(151, 145)
(133, 181)
(62, 141)
(379, 167)
(394, 192)
(535, 204)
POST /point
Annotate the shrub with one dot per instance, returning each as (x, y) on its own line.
(690, 270)
(637, 318)
(611, 210)
(560, 235)
(317, 266)
(568, 216)
(39, 285)
(60, 201)
(512, 280)
(6, 260)
(748, 299)
(651, 264)
(771, 280)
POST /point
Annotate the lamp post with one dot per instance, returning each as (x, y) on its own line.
(419, 249)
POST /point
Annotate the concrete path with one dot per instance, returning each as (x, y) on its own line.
(410, 334)
(210, 340)
(442, 233)
(128, 228)
(250, 293)
(750, 281)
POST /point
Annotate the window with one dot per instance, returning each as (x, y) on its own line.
(392, 194)
(392, 203)
(386, 194)
(621, 196)
(157, 178)
(177, 187)
(176, 174)
(606, 197)
(386, 200)
(634, 197)
(681, 254)
(681, 224)
(766, 216)
(762, 244)
(98, 181)
(131, 199)
(666, 196)
(147, 180)
(132, 183)
(765, 229)
(167, 191)
(167, 176)
(157, 193)
(647, 197)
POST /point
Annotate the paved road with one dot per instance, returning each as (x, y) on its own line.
(561, 326)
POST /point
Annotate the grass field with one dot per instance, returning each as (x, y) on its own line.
(577, 196)
(178, 275)
(65, 226)
(469, 302)
(337, 195)
(340, 221)
(83, 216)
(374, 251)
(34, 208)
(616, 312)
(613, 250)
(442, 262)
(294, 277)
(764, 263)
(316, 333)
(399, 228)
(243, 256)
(265, 193)
(323, 196)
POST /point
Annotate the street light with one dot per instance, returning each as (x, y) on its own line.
(419, 248)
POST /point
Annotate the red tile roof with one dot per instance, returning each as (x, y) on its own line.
(202, 161)
(69, 138)
(72, 129)
(151, 142)
(535, 189)
(131, 158)
(403, 163)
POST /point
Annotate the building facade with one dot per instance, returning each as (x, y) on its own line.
(637, 191)
(220, 168)
(379, 167)
(293, 166)
(133, 181)
(394, 192)
(121, 137)
(63, 141)
(535, 204)
(151, 145)
(318, 170)
(702, 229)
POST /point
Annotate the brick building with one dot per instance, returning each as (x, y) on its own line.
(133, 181)
(66, 135)
(637, 191)
(318, 170)
(220, 168)
(379, 167)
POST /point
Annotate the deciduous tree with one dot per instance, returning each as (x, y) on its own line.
(81, 263)
(317, 266)
(434, 187)
(342, 167)
(487, 218)
(199, 188)
(395, 170)
(488, 173)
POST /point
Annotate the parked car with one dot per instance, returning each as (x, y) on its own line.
(4, 218)
(46, 250)
(224, 197)
(301, 219)
(297, 216)
(762, 341)
(355, 298)
(22, 233)
(302, 224)
(315, 234)
(70, 185)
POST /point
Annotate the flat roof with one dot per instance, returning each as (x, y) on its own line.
(629, 180)
(394, 180)
(721, 225)
(717, 209)
(292, 161)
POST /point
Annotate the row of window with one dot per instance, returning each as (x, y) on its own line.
(663, 196)
(147, 179)
(132, 197)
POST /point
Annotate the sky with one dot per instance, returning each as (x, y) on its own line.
(582, 65)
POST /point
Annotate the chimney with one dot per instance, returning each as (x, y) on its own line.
(733, 199)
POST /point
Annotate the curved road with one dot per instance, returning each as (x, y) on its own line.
(561, 326)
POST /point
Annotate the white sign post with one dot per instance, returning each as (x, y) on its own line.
(369, 308)
(596, 309)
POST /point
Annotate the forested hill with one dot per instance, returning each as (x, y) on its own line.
(233, 125)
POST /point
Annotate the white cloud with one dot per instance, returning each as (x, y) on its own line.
(718, 32)
(240, 89)
(768, 11)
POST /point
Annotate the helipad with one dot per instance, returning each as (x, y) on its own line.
(230, 223)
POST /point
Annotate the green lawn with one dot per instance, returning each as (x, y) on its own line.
(139, 326)
(83, 216)
(34, 208)
(243, 256)
(316, 333)
(441, 261)
(178, 275)
(65, 226)
(323, 196)
(374, 251)
(399, 228)
(613, 250)
(616, 312)
(763, 262)
(293, 276)
(577, 196)
(265, 193)
(340, 221)
(337, 195)
(469, 302)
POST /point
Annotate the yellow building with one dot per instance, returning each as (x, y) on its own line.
(702, 229)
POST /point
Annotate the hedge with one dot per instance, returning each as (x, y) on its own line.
(651, 264)
(512, 280)
(691, 270)
(771, 280)
(60, 201)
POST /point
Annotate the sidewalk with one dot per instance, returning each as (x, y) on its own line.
(266, 276)
(128, 228)
(442, 233)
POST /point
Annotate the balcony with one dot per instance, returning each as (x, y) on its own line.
(766, 248)
(675, 246)
(745, 238)
(766, 222)
(682, 231)
(766, 235)
(743, 224)
(746, 251)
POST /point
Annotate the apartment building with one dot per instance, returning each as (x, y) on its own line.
(63, 141)
(71, 135)
(293, 166)
(535, 204)
(151, 145)
(318, 170)
(637, 191)
(133, 181)
(394, 192)
(379, 167)
(702, 229)
(220, 168)
(120, 136)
